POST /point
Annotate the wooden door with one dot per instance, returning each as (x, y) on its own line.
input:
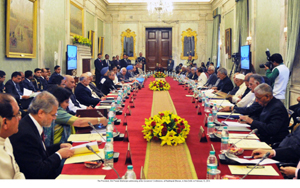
(158, 47)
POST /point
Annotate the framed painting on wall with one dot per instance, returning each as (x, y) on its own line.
(92, 38)
(76, 20)
(101, 45)
(21, 29)
(228, 42)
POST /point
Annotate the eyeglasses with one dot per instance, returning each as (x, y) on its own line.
(19, 114)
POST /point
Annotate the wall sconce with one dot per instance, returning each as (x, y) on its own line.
(285, 33)
(249, 40)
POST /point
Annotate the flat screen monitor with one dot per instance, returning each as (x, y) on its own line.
(245, 57)
(71, 57)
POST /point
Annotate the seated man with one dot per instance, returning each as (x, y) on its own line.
(9, 122)
(37, 80)
(296, 109)
(212, 77)
(160, 68)
(225, 85)
(236, 88)
(108, 84)
(183, 71)
(44, 77)
(139, 68)
(116, 80)
(122, 75)
(178, 68)
(188, 72)
(193, 75)
(27, 82)
(239, 81)
(36, 160)
(2, 79)
(84, 94)
(202, 77)
(272, 123)
(129, 75)
(12, 87)
(96, 93)
(57, 70)
(74, 104)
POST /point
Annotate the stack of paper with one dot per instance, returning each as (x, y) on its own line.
(226, 114)
(235, 124)
(85, 137)
(240, 136)
(261, 170)
(250, 144)
(83, 149)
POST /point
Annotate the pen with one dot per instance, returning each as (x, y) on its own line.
(248, 157)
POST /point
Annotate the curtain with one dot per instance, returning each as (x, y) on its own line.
(241, 26)
(215, 38)
(293, 24)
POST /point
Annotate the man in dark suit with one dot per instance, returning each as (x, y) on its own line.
(160, 68)
(193, 75)
(27, 82)
(122, 75)
(99, 64)
(178, 68)
(57, 70)
(36, 160)
(272, 123)
(84, 94)
(2, 79)
(44, 81)
(37, 80)
(142, 60)
(123, 62)
(225, 85)
(170, 65)
(12, 87)
(117, 62)
(108, 84)
(107, 61)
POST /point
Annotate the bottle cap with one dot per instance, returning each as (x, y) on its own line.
(209, 115)
(212, 153)
(225, 127)
(108, 139)
(129, 167)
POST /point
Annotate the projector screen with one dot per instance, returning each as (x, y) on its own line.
(245, 57)
(71, 57)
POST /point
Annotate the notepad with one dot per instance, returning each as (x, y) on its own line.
(250, 144)
(260, 171)
(225, 114)
(68, 177)
(240, 136)
(80, 158)
(84, 137)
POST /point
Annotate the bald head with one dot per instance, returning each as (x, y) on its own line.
(84, 79)
(70, 82)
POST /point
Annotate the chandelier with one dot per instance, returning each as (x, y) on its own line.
(160, 7)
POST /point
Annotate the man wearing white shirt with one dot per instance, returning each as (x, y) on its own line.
(9, 121)
(202, 77)
(239, 81)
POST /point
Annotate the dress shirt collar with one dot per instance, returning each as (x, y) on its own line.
(27, 79)
(2, 141)
(38, 126)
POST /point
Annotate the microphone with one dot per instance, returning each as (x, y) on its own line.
(262, 159)
(92, 150)
(100, 114)
(223, 101)
(252, 132)
(96, 130)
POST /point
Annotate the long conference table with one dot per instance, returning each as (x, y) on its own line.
(199, 151)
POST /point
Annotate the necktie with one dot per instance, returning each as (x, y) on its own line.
(18, 89)
(43, 136)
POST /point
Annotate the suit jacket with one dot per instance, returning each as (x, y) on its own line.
(28, 85)
(11, 89)
(122, 78)
(38, 83)
(272, 123)
(193, 76)
(99, 64)
(108, 62)
(84, 96)
(52, 76)
(123, 63)
(211, 80)
(170, 65)
(117, 63)
(34, 161)
(160, 69)
(44, 83)
(253, 111)
(107, 85)
(96, 90)
(1, 87)
(225, 85)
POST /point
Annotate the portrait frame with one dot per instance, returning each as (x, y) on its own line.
(76, 19)
(92, 38)
(101, 45)
(187, 34)
(228, 42)
(23, 33)
(128, 33)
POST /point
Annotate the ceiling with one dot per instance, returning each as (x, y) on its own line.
(144, 1)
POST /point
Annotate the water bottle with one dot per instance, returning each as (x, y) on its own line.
(207, 105)
(113, 108)
(224, 140)
(210, 125)
(214, 112)
(119, 103)
(212, 162)
(130, 174)
(109, 131)
(109, 155)
(203, 98)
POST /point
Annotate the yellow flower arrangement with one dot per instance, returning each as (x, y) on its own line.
(159, 85)
(167, 127)
(81, 40)
(159, 75)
